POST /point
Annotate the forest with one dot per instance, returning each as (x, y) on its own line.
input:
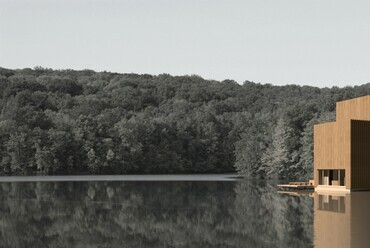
(86, 122)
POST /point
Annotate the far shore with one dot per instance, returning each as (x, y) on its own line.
(162, 177)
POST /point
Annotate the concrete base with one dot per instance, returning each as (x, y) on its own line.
(332, 189)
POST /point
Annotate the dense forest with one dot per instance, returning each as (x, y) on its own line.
(87, 122)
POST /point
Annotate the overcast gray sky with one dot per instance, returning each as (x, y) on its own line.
(313, 42)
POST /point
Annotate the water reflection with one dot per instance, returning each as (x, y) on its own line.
(342, 220)
(332, 203)
(153, 214)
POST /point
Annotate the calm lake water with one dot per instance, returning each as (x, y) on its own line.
(174, 211)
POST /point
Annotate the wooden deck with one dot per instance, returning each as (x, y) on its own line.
(309, 193)
(294, 187)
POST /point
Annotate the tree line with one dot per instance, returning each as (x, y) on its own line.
(87, 122)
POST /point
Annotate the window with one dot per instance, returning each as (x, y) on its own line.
(332, 177)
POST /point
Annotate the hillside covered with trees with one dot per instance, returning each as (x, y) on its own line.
(86, 122)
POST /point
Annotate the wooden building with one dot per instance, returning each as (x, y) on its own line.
(342, 148)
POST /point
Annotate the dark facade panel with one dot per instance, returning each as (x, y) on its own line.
(360, 155)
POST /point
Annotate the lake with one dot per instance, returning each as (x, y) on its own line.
(174, 211)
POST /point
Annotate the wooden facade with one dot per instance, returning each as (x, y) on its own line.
(345, 144)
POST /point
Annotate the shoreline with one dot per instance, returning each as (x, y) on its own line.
(158, 177)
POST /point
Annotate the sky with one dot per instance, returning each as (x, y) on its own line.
(306, 42)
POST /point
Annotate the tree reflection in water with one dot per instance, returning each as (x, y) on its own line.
(153, 214)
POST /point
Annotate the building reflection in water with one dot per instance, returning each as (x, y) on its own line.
(342, 220)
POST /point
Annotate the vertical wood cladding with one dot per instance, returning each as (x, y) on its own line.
(327, 147)
(360, 154)
(331, 149)
(345, 144)
(354, 109)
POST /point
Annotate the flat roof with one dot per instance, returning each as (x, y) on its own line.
(326, 123)
(352, 99)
